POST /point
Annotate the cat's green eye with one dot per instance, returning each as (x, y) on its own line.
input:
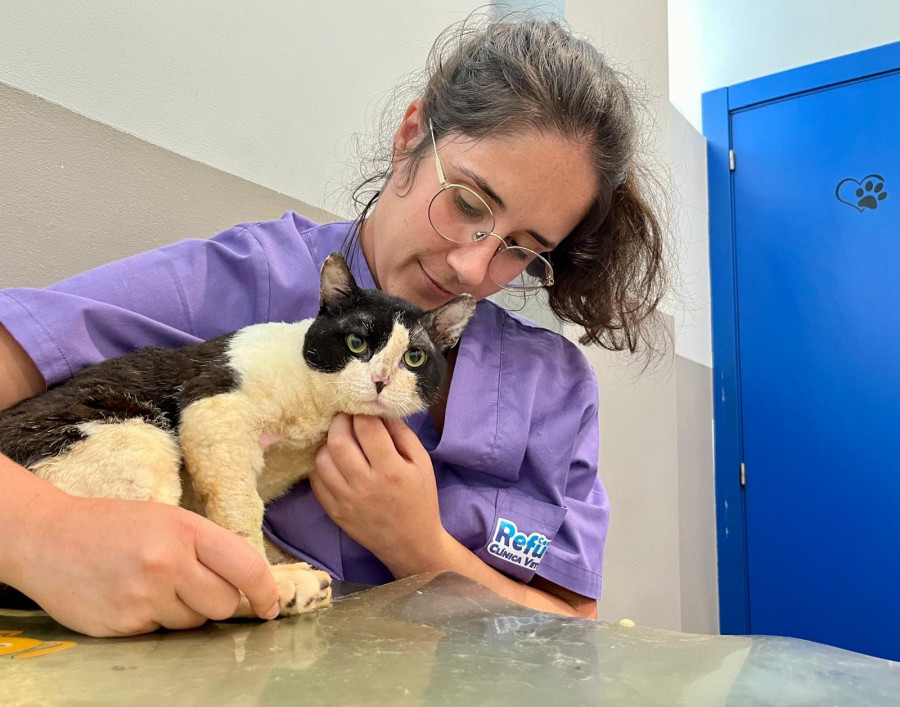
(356, 344)
(414, 358)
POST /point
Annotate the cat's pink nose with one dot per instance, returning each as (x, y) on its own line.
(380, 383)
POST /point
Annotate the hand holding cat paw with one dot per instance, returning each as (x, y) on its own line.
(112, 568)
(375, 480)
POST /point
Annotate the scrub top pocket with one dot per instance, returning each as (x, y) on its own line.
(522, 530)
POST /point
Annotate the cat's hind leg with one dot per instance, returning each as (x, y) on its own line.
(127, 459)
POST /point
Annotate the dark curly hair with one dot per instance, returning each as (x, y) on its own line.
(506, 77)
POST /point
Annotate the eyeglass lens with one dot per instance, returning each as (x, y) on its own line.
(459, 214)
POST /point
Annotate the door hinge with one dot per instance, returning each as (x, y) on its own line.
(743, 474)
(731, 160)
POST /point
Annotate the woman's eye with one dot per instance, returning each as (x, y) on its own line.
(466, 208)
(414, 358)
(521, 254)
(356, 344)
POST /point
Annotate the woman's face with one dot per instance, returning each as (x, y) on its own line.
(539, 187)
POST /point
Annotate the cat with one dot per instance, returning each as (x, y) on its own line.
(226, 425)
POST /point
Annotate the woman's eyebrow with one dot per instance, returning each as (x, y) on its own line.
(548, 244)
(485, 187)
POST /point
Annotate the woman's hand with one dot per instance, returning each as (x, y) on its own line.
(375, 480)
(107, 567)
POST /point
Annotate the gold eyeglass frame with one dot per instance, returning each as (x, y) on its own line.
(479, 236)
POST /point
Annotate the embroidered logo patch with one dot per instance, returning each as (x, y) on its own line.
(520, 549)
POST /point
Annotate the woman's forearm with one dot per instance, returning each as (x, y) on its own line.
(23, 493)
(454, 557)
(27, 501)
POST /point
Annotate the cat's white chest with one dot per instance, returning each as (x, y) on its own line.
(288, 458)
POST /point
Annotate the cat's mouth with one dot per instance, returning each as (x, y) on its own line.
(378, 408)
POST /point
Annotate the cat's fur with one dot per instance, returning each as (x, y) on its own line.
(224, 426)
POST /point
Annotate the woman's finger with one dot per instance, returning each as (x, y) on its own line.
(238, 563)
(323, 495)
(374, 439)
(405, 440)
(328, 473)
(343, 446)
(176, 614)
(206, 592)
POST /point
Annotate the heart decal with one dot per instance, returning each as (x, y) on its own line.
(864, 194)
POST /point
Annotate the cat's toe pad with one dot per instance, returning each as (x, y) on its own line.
(301, 588)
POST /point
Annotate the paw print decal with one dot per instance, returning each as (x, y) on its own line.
(867, 193)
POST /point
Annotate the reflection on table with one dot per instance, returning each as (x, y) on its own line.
(436, 640)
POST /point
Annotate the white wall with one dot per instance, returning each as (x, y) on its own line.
(267, 90)
(686, 160)
(714, 43)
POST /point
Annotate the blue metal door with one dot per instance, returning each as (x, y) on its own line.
(816, 208)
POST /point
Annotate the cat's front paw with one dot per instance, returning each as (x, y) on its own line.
(301, 588)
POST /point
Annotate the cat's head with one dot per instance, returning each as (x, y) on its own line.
(388, 355)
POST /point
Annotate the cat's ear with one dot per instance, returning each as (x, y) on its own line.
(338, 286)
(445, 324)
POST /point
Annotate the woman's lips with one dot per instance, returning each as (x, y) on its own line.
(433, 285)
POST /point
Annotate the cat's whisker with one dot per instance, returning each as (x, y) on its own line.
(342, 396)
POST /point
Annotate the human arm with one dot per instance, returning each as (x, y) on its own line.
(106, 567)
(376, 481)
(182, 293)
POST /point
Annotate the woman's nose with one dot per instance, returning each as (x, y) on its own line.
(470, 261)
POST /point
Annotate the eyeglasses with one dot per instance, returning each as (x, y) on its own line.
(459, 215)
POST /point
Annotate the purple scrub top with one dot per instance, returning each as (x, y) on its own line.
(516, 466)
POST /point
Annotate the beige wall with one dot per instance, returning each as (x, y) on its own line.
(639, 468)
(77, 194)
(696, 498)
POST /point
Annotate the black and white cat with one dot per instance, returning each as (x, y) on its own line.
(224, 426)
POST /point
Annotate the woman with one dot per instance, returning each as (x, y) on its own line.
(512, 169)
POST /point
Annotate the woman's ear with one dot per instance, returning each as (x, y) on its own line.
(410, 131)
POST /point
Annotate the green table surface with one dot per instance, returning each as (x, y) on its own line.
(429, 640)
